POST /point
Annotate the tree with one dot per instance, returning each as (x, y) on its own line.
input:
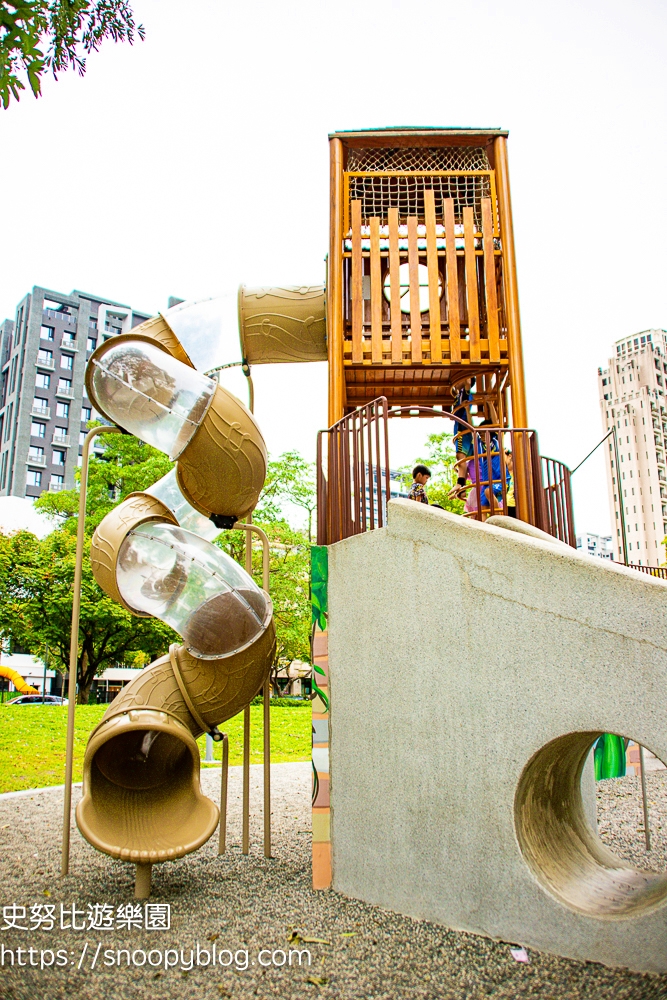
(36, 580)
(441, 460)
(37, 576)
(41, 35)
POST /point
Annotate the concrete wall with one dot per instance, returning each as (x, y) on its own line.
(458, 653)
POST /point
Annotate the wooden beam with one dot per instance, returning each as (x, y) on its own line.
(435, 326)
(415, 314)
(335, 284)
(376, 294)
(357, 285)
(490, 282)
(395, 290)
(453, 314)
(471, 282)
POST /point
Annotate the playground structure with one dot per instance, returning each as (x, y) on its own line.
(467, 810)
(421, 299)
(15, 678)
(142, 800)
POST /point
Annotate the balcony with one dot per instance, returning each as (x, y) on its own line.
(36, 460)
(44, 363)
(69, 345)
(56, 487)
(61, 439)
(41, 411)
(64, 393)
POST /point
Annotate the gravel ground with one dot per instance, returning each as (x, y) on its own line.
(238, 903)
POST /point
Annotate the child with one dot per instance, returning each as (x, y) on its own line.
(420, 476)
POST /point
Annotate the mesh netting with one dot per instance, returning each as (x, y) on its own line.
(379, 194)
(419, 158)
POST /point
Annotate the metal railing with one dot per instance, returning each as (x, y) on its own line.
(558, 497)
(659, 571)
(353, 478)
(352, 495)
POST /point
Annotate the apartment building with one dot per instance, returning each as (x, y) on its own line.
(601, 546)
(44, 409)
(632, 400)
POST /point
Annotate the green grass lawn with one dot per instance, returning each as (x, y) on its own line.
(32, 740)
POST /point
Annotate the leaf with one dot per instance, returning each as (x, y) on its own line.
(213, 937)
(317, 980)
(47, 892)
(349, 934)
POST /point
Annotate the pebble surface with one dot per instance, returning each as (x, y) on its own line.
(251, 903)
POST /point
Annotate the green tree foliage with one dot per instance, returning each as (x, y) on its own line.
(441, 460)
(36, 576)
(41, 35)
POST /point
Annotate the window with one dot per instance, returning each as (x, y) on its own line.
(58, 457)
(46, 333)
(60, 432)
(42, 381)
(67, 361)
(37, 430)
(64, 385)
(62, 409)
(44, 357)
(39, 403)
(33, 478)
(86, 413)
(91, 344)
(57, 480)
(68, 338)
(82, 436)
(34, 451)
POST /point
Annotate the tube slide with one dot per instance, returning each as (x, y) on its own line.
(142, 800)
(21, 686)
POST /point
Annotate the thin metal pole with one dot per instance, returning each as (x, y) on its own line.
(642, 774)
(267, 768)
(209, 749)
(620, 495)
(74, 639)
(249, 528)
(224, 780)
(46, 658)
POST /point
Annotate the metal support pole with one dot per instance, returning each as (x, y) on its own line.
(620, 497)
(642, 775)
(249, 528)
(245, 839)
(74, 639)
(142, 881)
(224, 780)
(208, 759)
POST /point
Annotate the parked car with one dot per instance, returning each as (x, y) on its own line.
(37, 699)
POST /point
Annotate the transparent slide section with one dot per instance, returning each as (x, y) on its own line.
(173, 574)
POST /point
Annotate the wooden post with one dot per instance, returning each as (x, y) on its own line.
(74, 639)
(511, 288)
(335, 286)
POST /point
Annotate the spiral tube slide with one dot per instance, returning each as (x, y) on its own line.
(17, 680)
(142, 800)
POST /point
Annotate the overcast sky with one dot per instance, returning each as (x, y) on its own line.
(198, 159)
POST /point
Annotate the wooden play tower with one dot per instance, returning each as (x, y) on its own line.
(421, 282)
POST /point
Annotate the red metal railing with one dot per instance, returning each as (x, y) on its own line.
(353, 483)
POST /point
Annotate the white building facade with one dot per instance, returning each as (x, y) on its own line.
(632, 399)
(601, 546)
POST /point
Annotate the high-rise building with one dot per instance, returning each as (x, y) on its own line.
(44, 409)
(632, 398)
